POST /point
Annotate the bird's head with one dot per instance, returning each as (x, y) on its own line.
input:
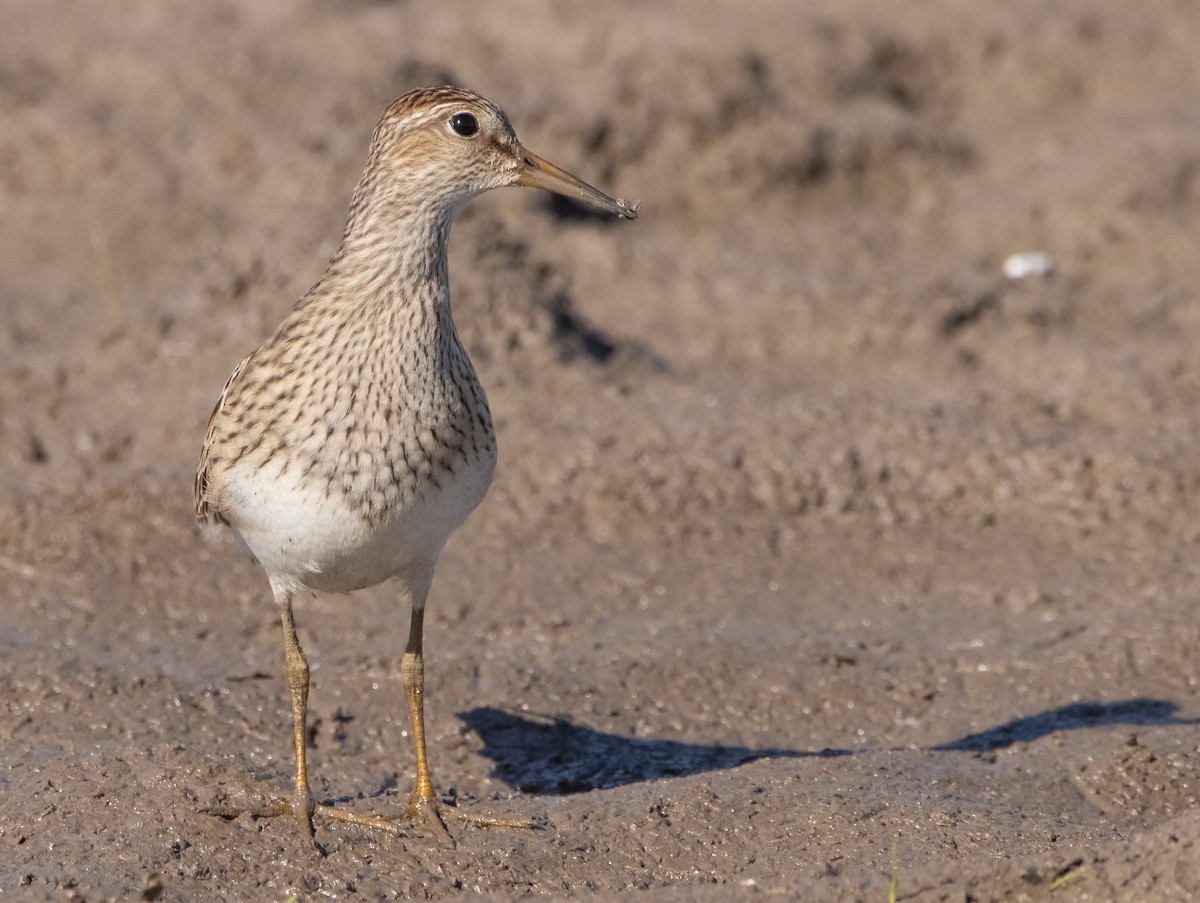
(444, 145)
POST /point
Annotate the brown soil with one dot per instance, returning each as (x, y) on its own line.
(821, 554)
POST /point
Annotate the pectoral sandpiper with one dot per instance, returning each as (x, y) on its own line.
(354, 441)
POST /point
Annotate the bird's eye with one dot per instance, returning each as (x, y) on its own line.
(464, 124)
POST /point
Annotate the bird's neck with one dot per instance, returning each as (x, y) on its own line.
(404, 246)
(389, 280)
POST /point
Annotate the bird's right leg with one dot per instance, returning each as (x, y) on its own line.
(303, 803)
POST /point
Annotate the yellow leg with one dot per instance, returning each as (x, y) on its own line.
(303, 803)
(422, 802)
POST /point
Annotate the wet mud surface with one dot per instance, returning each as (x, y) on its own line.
(821, 554)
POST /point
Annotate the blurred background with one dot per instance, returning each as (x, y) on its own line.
(823, 524)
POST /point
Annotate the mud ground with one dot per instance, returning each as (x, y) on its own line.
(823, 559)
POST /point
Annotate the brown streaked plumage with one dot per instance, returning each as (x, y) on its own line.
(347, 448)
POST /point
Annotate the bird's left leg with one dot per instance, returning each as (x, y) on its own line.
(422, 801)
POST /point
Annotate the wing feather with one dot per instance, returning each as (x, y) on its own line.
(206, 510)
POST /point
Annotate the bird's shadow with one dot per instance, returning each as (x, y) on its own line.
(552, 756)
(1072, 717)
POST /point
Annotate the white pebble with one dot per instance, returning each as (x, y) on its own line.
(1028, 263)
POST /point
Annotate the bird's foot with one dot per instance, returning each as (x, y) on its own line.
(301, 806)
(492, 821)
(422, 807)
(495, 821)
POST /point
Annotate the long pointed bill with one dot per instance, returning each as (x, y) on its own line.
(538, 173)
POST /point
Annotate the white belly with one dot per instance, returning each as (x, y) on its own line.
(306, 537)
